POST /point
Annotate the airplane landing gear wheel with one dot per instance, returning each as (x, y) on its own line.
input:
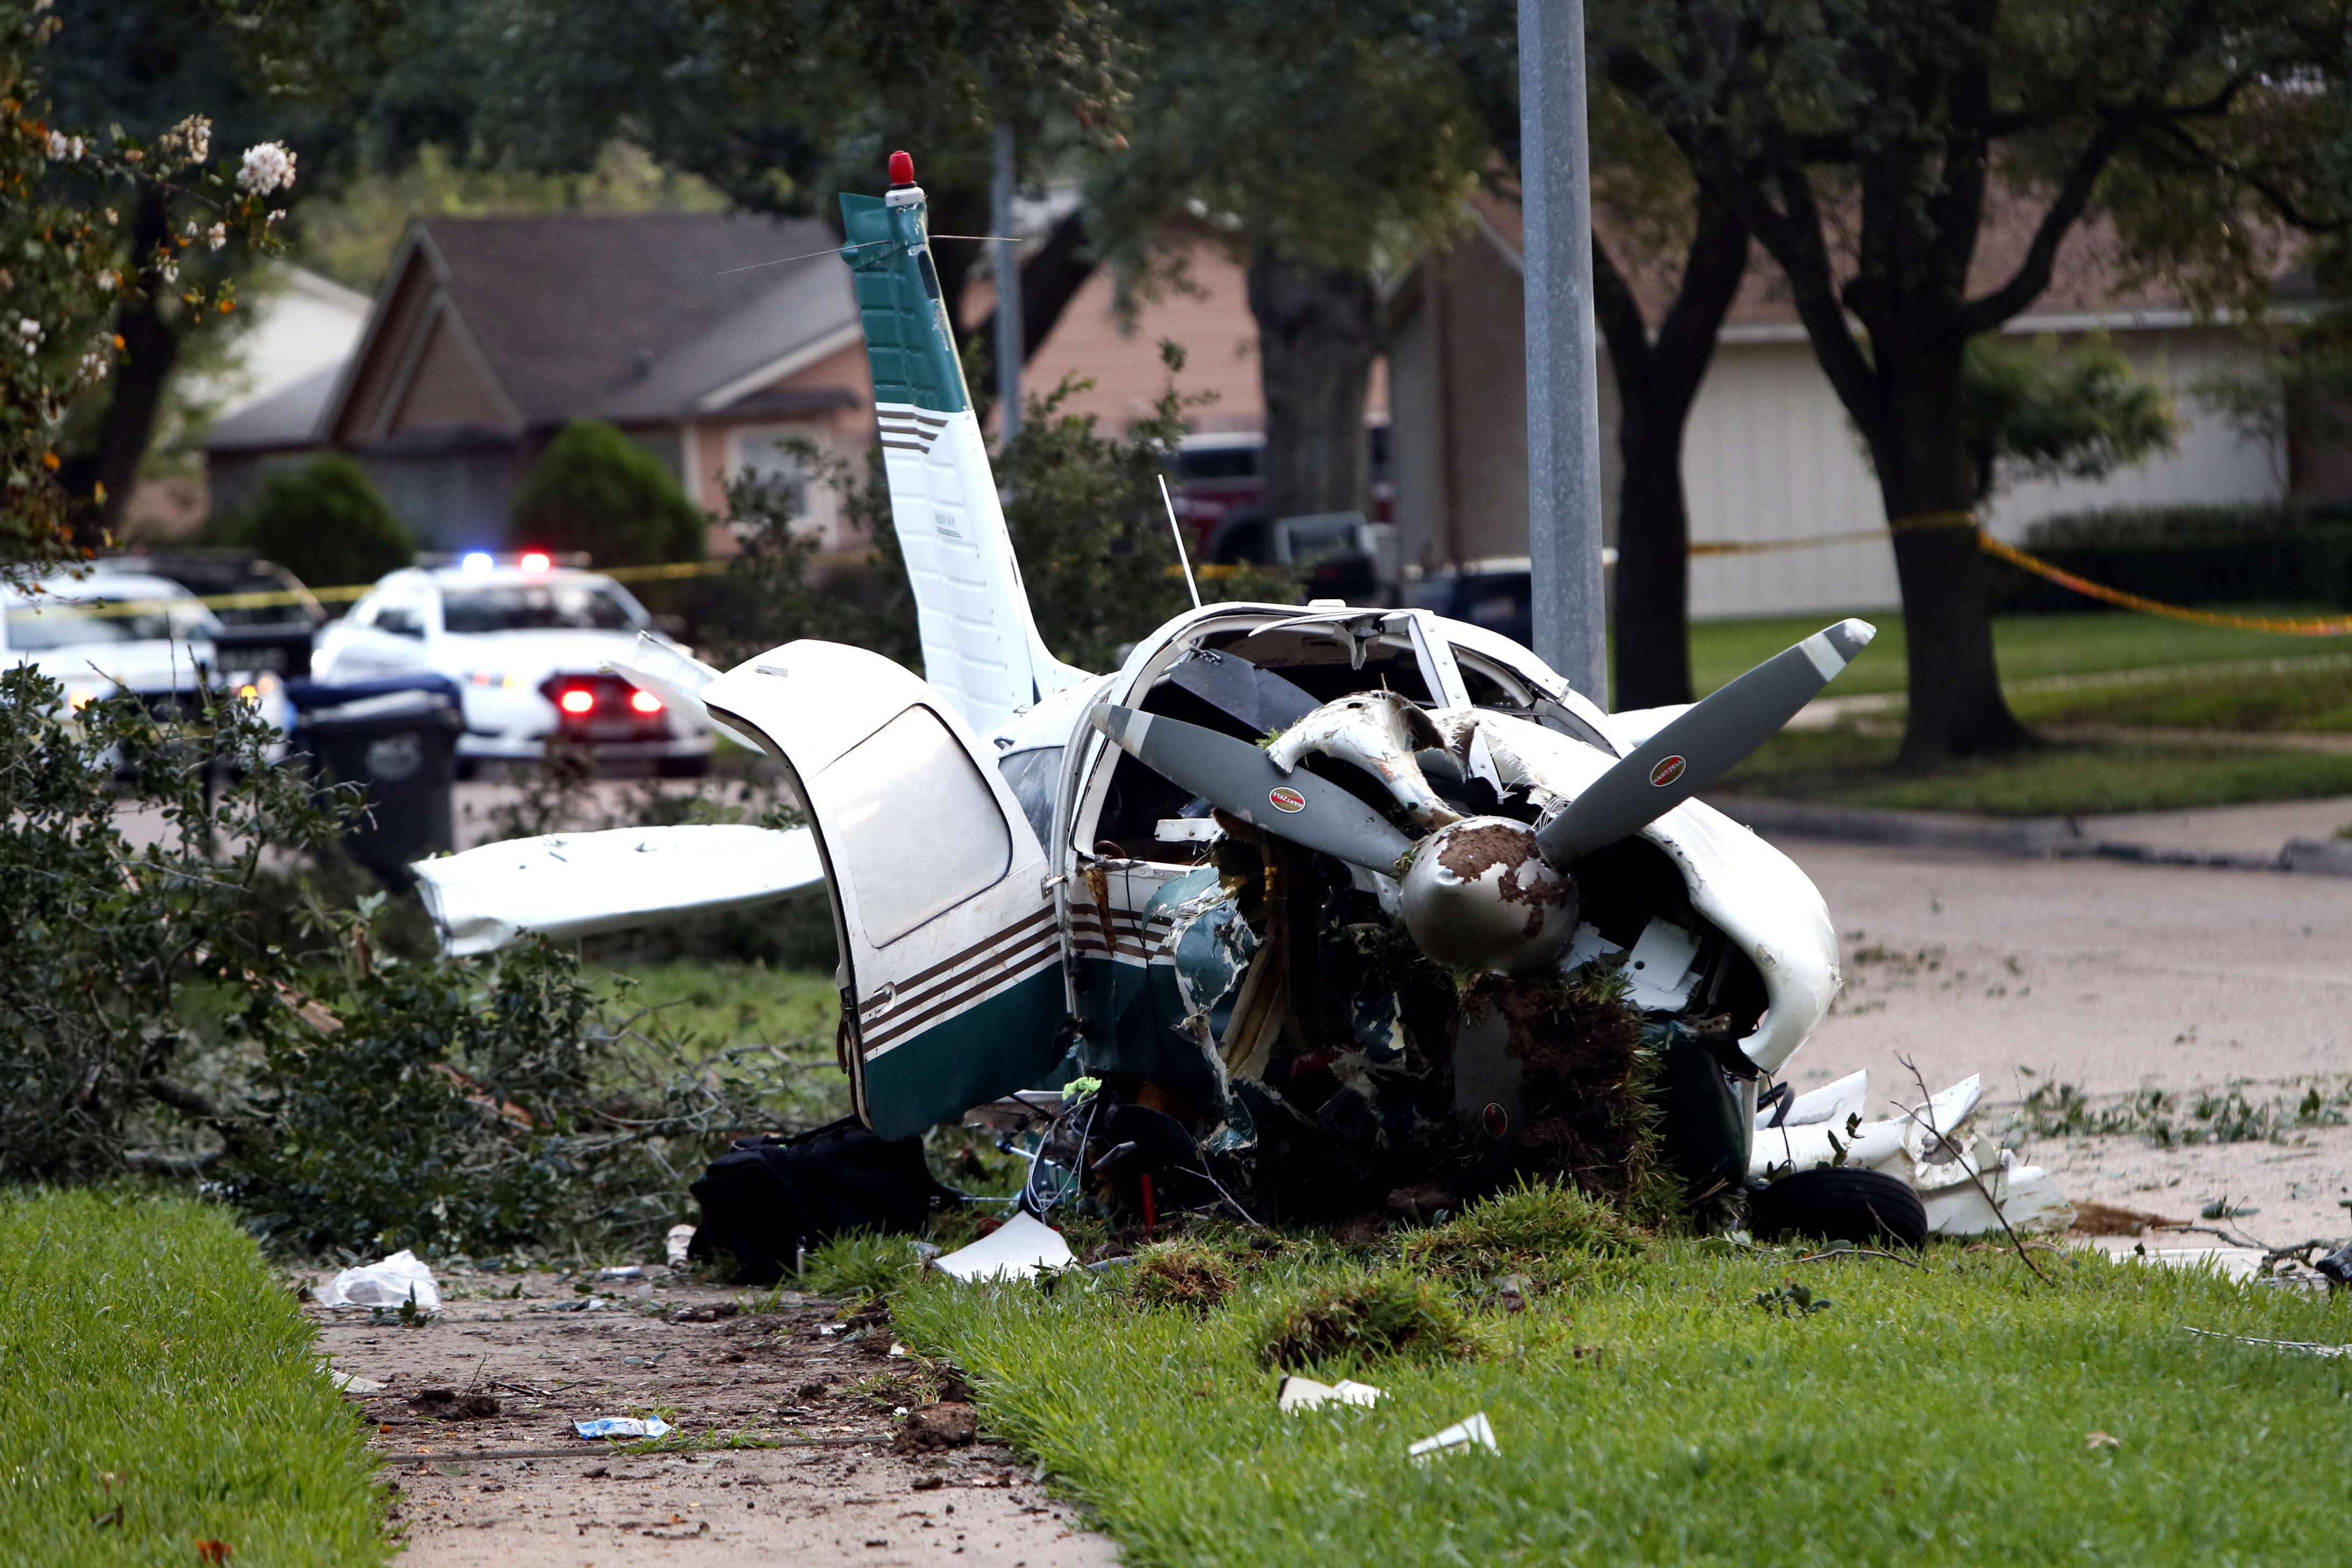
(1865, 1207)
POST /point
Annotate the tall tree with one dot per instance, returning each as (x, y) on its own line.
(1319, 140)
(783, 104)
(309, 78)
(1863, 143)
(1693, 251)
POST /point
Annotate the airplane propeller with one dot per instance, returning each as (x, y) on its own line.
(1490, 892)
(1238, 778)
(1701, 745)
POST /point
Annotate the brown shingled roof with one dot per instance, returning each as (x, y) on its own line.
(576, 311)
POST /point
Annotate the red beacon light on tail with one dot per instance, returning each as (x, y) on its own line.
(902, 169)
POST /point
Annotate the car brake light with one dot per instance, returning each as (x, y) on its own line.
(644, 702)
(576, 699)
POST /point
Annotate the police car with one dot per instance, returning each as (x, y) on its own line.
(523, 638)
(107, 631)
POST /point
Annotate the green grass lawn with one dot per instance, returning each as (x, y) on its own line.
(158, 1389)
(1847, 767)
(2029, 647)
(2304, 700)
(737, 1003)
(1936, 1415)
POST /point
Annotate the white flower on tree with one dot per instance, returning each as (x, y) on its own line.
(28, 333)
(217, 235)
(267, 168)
(192, 139)
(65, 149)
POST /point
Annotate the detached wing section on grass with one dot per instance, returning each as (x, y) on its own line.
(578, 884)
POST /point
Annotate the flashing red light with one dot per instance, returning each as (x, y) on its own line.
(576, 700)
(644, 702)
(535, 561)
(902, 169)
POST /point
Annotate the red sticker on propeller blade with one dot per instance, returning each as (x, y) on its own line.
(1667, 772)
(1287, 799)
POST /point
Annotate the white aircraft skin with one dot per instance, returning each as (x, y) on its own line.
(991, 900)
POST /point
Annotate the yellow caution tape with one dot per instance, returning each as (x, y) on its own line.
(341, 594)
(2334, 627)
(1761, 546)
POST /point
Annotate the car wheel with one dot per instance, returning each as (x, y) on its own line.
(1840, 1204)
(691, 767)
(467, 768)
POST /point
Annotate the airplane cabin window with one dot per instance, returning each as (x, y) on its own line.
(912, 823)
(1033, 776)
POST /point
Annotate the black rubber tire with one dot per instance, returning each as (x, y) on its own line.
(1866, 1208)
(686, 767)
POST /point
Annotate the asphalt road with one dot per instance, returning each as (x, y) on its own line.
(2113, 977)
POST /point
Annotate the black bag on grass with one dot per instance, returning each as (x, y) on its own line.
(769, 1196)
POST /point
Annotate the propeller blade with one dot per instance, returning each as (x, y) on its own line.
(1237, 777)
(1701, 746)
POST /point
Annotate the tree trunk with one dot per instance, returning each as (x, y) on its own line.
(151, 347)
(1653, 563)
(1928, 481)
(1050, 279)
(1657, 383)
(1317, 330)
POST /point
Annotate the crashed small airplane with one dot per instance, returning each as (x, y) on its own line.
(1334, 903)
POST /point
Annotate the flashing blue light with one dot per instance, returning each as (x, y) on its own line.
(477, 560)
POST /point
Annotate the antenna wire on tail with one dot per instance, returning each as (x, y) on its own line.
(1177, 530)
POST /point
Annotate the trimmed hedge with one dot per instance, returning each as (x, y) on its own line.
(2186, 555)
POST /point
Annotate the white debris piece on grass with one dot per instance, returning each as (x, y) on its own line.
(1929, 1147)
(2300, 1347)
(1013, 1250)
(353, 1383)
(623, 1426)
(1306, 1394)
(386, 1283)
(1474, 1432)
(674, 1243)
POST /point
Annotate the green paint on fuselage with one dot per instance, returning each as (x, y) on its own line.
(1003, 1044)
(908, 341)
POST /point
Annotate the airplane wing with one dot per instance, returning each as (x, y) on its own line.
(577, 884)
(980, 646)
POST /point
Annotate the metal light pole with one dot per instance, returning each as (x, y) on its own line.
(1563, 394)
(1006, 264)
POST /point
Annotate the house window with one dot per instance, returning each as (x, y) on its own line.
(766, 451)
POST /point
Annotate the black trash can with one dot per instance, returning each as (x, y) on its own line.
(398, 740)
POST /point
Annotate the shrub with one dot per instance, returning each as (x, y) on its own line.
(1364, 1317)
(2250, 554)
(597, 490)
(325, 522)
(1085, 520)
(162, 1007)
(1181, 1274)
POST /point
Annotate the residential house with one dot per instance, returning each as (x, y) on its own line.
(715, 340)
(1769, 453)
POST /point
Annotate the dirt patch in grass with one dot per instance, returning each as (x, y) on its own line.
(1352, 1321)
(1181, 1274)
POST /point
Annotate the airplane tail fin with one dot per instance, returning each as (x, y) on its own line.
(980, 646)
